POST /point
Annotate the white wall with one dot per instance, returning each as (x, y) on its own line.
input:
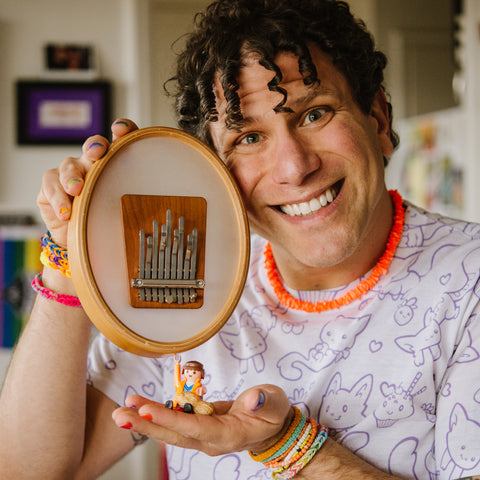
(25, 27)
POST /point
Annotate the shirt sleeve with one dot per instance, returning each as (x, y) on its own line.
(118, 374)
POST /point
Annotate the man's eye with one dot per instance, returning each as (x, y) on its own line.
(250, 138)
(314, 115)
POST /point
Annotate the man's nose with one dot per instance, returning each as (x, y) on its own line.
(295, 159)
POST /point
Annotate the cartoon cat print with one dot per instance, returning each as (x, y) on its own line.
(337, 338)
(342, 408)
(427, 339)
(460, 455)
(247, 339)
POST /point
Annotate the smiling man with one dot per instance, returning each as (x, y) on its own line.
(312, 176)
(355, 347)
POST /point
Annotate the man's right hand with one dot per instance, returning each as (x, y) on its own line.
(61, 184)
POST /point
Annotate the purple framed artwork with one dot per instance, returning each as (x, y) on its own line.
(61, 113)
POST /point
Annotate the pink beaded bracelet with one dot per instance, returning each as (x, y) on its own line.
(68, 300)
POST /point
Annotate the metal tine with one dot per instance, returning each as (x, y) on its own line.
(141, 262)
(193, 264)
(181, 233)
(173, 274)
(186, 266)
(148, 267)
(155, 259)
(161, 260)
(168, 253)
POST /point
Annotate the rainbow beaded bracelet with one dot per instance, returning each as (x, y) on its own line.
(54, 256)
(295, 449)
(289, 472)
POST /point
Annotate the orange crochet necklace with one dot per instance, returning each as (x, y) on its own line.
(363, 287)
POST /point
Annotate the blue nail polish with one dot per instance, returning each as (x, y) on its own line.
(95, 144)
(261, 401)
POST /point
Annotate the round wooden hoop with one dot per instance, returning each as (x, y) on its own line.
(89, 220)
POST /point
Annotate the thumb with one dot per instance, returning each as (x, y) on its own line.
(270, 407)
(268, 402)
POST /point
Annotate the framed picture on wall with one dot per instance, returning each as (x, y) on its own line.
(61, 113)
(70, 61)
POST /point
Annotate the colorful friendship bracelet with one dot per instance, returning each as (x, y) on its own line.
(290, 443)
(301, 446)
(286, 438)
(68, 300)
(54, 256)
(295, 449)
(294, 442)
(289, 472)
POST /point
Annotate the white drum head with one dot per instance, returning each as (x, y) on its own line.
(155, 164)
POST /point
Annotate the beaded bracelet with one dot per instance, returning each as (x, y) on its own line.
(54, 256)
(288, 437)
(295, 449)
(289, 472)
(68, 300)
(290, 443)
(302, 445)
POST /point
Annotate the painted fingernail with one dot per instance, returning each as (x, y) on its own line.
(147, 416)
(73, 181)
(95, 144)
(63, 211)
(261, 401)
(126, 426)
(121, 122)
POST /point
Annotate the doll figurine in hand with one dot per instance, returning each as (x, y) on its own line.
(190, 390)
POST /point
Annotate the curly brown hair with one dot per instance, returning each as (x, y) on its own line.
(227, 29)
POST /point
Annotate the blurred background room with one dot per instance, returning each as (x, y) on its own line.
(95, 60)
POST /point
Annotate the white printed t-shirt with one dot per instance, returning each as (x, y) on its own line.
(395, 375)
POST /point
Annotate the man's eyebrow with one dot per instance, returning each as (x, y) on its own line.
(316, 90)
(312, 93)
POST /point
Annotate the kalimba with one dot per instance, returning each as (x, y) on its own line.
(159, 243)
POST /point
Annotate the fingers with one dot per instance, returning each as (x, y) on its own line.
(137, 401)
(121, 127)
(252, 422)
(73, 170)
(177, 428)
(61, 184)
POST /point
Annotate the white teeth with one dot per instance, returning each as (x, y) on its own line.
(307, 208)
(315, 204)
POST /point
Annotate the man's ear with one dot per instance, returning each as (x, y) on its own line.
(379, 111)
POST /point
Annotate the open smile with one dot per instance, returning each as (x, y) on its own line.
(312, 206)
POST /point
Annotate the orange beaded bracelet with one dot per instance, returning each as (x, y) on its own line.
(288, 436)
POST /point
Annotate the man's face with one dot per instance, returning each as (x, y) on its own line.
(312, 180)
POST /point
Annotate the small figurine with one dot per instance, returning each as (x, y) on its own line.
(190, 390)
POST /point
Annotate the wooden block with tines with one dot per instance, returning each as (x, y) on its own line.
(165, 250)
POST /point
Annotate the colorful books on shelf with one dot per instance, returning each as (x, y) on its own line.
(19, 263)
